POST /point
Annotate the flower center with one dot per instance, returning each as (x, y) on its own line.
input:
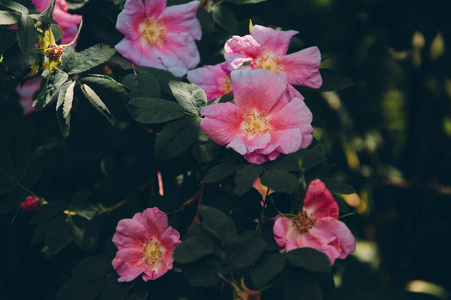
(151, 252)
(269, 62)
(226, 84)
(154, 32)
(303, 222)
(255, 124)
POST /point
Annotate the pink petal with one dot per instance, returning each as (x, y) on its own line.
(274, 41)
(258, 142)
(284, 141)
(293, 93)
(222, 122)
(41, 5)
(257, 89)
(130, 18)
(241, 49)
(128, 264)
(302, 67)
(139, 52)
(26, 93)
(153, 220)
(129, 234)
(255, 158)
(283, 231)
(319, 202)
(154, 7)
(238, 144)
(338, 241)
(182, 18)
(178, 54)
(211, 79)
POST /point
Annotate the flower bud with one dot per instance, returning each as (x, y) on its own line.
(31, 203)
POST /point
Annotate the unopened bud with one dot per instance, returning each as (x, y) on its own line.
(31, 203)
(54, 52)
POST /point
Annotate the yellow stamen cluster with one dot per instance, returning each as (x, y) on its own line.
(303, 222)
(54, 52)
(269, 62)
(151, 252)
(153, 31)
(226, 85)
(255, 124)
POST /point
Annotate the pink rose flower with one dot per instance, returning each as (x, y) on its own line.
(158, 36)
(316, 226)
(30, 204)
(263, 122)
(145, 245)
(26, 93)
(267, 48)
(214, 80)
(67, 22)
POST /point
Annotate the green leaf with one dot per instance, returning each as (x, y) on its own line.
(334, 81)
(218, 224)
(64, 106)
(48, 15)
(15, 6)
(176, 137)
(163, 77)
(105, 82)
(86, 287)
(280, 180)
(9, 17)
(47, 212)
(302, 287)
(59, 235)
(22, 160)
(88, 59)
(57, 32)
(337, 187)
(191, 97)
(99, 264)
(192, 249)
(27, 35)
(142, 85)
(245, 178)
(49, 88)
(114, 290)
(221, 171)
(205, 20)
(109, 166)
(267, 268)
(98, 104)
(245, 250)
(223, 16)
(152, 110)
(205, 150)
(245, 1)
(76, 4)
(203, 272)
(313, 157)
(309, 259)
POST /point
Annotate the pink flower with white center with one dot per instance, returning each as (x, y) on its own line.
(145, 244)
(67, 22)
(158, 36)
(26, 93)
(263, 122)
(316, 226)
(214, 80)
(267, 48)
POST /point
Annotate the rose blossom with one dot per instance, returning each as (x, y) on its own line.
(67, 22)
(214, 80)
(158, 36)
(263, 122)
(316, 226)
(266, 48)
(145, 244)
(26, 93)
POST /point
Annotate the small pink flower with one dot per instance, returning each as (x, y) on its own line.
(267, 48)
(31, 204)
(67, 22)
(26, 93)
(263, 122)
(316, 226)
(145, 245)
(158, 36)
(214, 80)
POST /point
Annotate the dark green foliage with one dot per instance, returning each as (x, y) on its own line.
(223, 16)
(245, 250)
(142, 85)
(88, 59)
(98, 104)
(218, 224)
(309, 259)
(9, 17)
(193, 249)
(50, 86)
(26, 33)
(189, 96)
(245, 177)
(64, 106)
(267, 268)
(153, 110)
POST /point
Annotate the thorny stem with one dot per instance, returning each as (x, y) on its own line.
(198, 195)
